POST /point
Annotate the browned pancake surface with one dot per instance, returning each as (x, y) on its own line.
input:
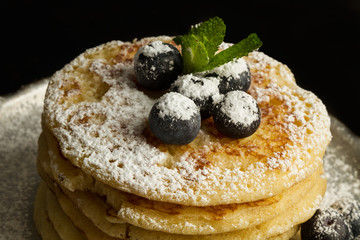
(99, 117)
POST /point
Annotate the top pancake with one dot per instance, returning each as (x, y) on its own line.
(98, 114)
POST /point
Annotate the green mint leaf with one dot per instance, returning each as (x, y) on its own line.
(211, 33)
(201, 43)
(195, 56)
(199, 46)
(242, 48)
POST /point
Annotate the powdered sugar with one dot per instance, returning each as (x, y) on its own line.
(231, 69)
(154, 49)
(343, 178)
(176, 106)
(329, 222)
(20, 128)
(349, 208)
(198, 88)
(240, 107)
(106, 135)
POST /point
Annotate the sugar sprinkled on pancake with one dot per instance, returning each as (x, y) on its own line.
(99, 116)
(163, 216)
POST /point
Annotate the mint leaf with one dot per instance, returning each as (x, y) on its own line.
(194, 53)
(201, 43)
(211, 33)
(199, 46)
(242, 48)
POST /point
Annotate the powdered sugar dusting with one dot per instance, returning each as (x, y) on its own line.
(198, 88)
(154, 49)
(20, 128)
(176, 106)
(105, 134)
(233, 68)
(240, 107)
(326, 222)
(343, 178)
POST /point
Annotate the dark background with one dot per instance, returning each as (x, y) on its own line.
(318, 40)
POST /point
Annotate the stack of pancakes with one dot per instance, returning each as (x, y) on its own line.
(106, 176)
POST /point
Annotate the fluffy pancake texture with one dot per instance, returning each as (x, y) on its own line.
(41, 219)
(106, 176)
(62, 209)
(167, 217)
(98, 116)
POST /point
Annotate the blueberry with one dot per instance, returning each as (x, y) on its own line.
(234, 75)
(175, 119)
(237, 115)
(157, 65)
(350, 209)
(203, 91)
(327, 224)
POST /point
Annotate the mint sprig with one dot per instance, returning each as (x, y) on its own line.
(242, 48)
(211, 33)
(201, 43)
(194, 53)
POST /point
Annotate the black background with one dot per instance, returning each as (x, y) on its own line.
(318, 40)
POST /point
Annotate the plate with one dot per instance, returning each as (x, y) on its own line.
(20, 127)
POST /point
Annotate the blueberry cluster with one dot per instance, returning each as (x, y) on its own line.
(341, 221)
(176, 117)
(203, 91)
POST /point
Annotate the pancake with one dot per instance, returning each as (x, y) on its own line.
(98, 116)
(41, 219)
(59, 220)
(160, 216)
(274, 229)
(46, 203)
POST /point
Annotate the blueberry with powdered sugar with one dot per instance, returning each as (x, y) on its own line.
(157, 65)
(203, 91)
(234, 75)
(237, 115)
(327, 224)
(350, 209)
(175, 119)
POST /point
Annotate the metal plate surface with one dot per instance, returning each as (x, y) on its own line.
(20, 127)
